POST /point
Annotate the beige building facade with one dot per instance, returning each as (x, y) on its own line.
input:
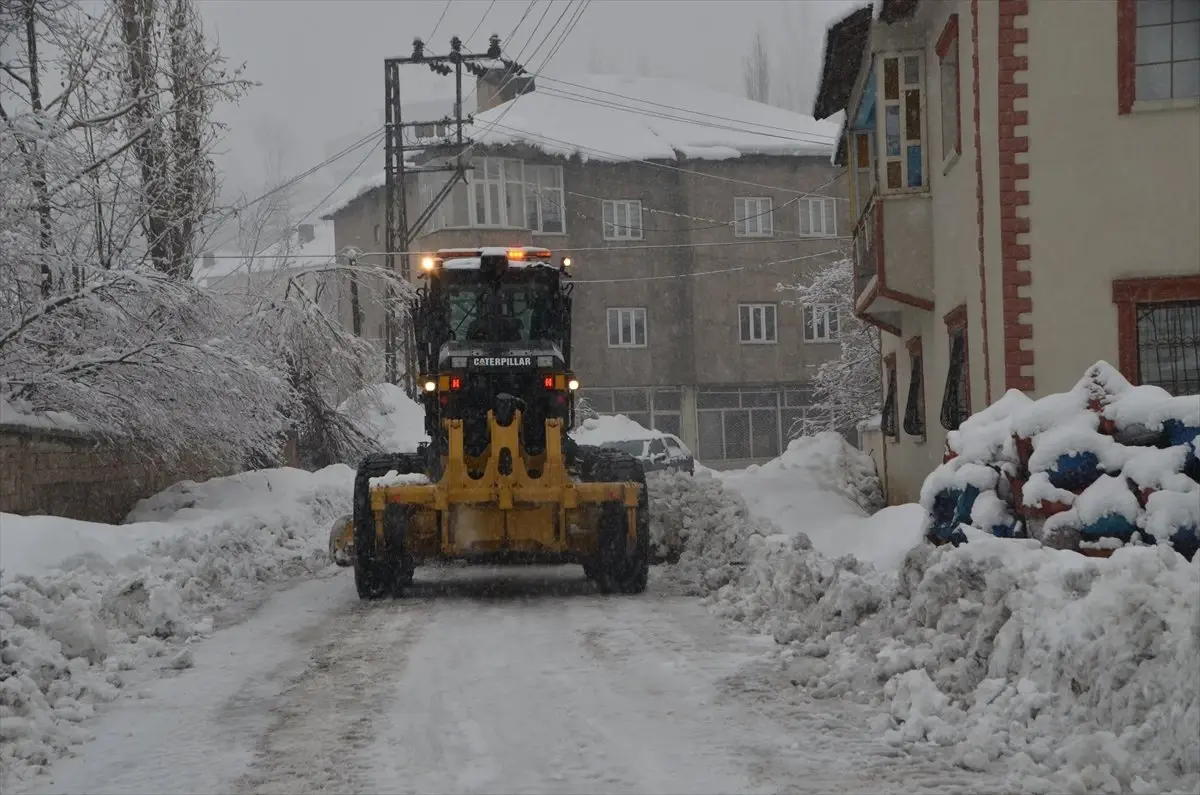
(676, 261)
(1025, 200)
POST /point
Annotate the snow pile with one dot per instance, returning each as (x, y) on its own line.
(1094, 468)
(607, 428)
(1074, 673)
(701, 526)
(830, 463)
(1068, 672)
(388, 415)
(824, 488)
(87, 610)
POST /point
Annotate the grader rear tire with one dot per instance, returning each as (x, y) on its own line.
(615, 568)
(386, 571)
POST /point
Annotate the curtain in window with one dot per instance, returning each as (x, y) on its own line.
(914, 408)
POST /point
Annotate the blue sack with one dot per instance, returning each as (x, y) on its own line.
(1075, 471)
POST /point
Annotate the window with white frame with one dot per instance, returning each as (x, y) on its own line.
(821, 323)
(544, 201)
(752, 217)
(756, 323)
(497, 192)
(622, 219)
(627, 327)
(1167, 60)
(817, 216)
(901, 121)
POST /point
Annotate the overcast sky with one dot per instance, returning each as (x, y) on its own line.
(320, 62)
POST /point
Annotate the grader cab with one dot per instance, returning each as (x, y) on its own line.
(500, 481)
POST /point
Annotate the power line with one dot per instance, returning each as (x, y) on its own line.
(575, 250)
(562, 37)
(316, 207)
(475, 89)
(831, 138)
(602, 103)
(438, 24)
(479, 24)
(719, 271)
(715, 223)
(293, 180)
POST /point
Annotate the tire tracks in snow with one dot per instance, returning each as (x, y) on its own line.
(325, 720)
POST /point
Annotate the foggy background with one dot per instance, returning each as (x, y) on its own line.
(320, 63)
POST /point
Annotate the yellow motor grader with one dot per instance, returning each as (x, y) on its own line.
(500, 481)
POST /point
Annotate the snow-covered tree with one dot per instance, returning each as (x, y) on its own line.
(293, 306)
(756, 70)
(846, 389)
(105, 142)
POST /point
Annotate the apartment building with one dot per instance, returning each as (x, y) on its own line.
(682, 209)
(1024, 200)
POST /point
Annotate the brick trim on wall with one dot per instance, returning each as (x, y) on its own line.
(1013, 73)
(1127, 294)
(955, 320)
(1126, 50)
(948, 39)
(979, 207)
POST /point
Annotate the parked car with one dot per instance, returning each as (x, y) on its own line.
(664, 451)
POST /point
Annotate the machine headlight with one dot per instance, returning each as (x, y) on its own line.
(427, 263)
(430, 386)
(573, 384)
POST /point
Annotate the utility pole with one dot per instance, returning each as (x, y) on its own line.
(399, 233)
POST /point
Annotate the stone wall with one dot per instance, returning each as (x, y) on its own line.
(64, 473)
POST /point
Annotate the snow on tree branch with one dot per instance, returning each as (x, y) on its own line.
(107, 187)
(846, 389)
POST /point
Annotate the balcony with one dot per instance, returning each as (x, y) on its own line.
(893, 259)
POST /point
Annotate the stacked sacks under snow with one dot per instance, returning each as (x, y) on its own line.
(1091, 469)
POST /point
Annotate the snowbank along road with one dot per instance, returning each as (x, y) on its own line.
(874, 662)
(487, 680)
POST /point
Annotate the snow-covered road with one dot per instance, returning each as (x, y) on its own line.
(487, 680)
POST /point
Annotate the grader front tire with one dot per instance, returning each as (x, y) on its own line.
(381, 571)
(616, 569)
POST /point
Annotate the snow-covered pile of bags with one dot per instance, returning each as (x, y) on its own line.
(1092, 469)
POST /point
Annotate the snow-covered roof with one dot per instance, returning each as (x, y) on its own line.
(282, 255)
(619, 118)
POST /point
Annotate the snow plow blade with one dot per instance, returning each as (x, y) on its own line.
(506, 506)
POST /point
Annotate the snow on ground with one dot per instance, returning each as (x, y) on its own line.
(389, 415)
(820, 485)
(88, 610)
(1066, 673)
